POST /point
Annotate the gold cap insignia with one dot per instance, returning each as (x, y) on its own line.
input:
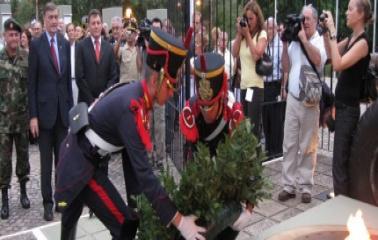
(205, 90)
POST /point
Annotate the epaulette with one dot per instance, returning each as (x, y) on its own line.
(188, 124)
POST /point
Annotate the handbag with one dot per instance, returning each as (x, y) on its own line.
(310, 87)
(368, 92)
(264, 66)
(327, 99)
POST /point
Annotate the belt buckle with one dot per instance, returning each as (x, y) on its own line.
(102, 153)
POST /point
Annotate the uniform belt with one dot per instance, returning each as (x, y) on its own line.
(103, 147)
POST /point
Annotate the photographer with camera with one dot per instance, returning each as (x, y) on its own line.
(351, 58)
(249, 44)
(301, 119)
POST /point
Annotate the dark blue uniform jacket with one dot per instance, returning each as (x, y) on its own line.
(113, 120)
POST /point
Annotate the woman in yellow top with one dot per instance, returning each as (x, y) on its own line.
(249, 45)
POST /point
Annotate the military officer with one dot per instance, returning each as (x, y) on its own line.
(209, 116)
(13, 114)
(120, 120)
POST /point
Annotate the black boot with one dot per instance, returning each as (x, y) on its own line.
(5, 204)
(25, 202)
(68, 233)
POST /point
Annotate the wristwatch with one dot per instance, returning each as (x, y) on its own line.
(332, 35)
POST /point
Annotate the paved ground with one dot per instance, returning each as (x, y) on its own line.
(29, 224)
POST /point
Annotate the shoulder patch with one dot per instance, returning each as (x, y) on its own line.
(188, 123)
(236, 115)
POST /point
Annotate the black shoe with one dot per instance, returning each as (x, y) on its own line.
(306, 198)
(5, 205)
(48, 214)
(5, 211)
(284, 196)
(24, 200)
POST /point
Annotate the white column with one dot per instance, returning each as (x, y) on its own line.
(337, 15)
(275, 10)
(191, 4)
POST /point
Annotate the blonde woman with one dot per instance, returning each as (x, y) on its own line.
(351, 58)
(249, 45)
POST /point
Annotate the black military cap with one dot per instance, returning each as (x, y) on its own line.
(165, 51)
(131, 26)
(210, 79)
(11, 24)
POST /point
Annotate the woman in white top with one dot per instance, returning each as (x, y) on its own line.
(249, 45)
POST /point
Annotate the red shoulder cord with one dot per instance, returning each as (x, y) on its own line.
(141, 115)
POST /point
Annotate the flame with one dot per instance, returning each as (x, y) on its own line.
(357, 228)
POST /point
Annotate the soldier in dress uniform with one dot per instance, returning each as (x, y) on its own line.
(13, 114)
(120, 119)
(209, 116)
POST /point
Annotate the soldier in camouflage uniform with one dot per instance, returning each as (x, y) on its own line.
(13, 114)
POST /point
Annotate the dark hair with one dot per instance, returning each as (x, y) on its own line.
(157, 20)
(94, 13)
(68, 25)
(50, 6)
(28, 35)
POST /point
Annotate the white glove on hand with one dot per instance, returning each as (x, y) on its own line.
(189, 230)
(242, 221)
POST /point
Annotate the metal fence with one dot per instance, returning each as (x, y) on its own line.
(223, 14)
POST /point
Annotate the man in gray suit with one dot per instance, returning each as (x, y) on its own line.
(50, 97)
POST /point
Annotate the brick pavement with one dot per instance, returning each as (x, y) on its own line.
(26, 224)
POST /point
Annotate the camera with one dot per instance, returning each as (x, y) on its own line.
(292, 27)
(243, 22)
(322, 17)
(144, 32)
(322, 27)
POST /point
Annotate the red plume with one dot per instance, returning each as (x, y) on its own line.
(188, 38)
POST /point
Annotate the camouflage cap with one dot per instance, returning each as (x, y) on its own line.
(11, 24)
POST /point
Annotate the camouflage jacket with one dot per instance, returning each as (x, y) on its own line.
(13, 96)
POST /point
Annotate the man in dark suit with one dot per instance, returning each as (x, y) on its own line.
(50, 97)
(96, 68)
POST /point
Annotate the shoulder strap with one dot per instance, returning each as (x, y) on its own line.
(361, 36)
(309, 60)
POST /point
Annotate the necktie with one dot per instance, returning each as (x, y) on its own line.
(97, 48)
(53, 54)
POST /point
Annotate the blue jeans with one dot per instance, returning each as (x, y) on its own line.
(345, 128)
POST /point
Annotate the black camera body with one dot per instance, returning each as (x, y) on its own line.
(321, 27)
(243, 22)
(292, 27)
(144, 32)
(322, 17)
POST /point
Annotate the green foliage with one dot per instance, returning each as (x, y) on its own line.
(210, 185)
(150, 227)
(23, 10)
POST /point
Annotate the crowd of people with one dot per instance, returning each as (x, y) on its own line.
(124, 73)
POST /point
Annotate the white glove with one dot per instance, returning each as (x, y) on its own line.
(242, 221)
(189, 230)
